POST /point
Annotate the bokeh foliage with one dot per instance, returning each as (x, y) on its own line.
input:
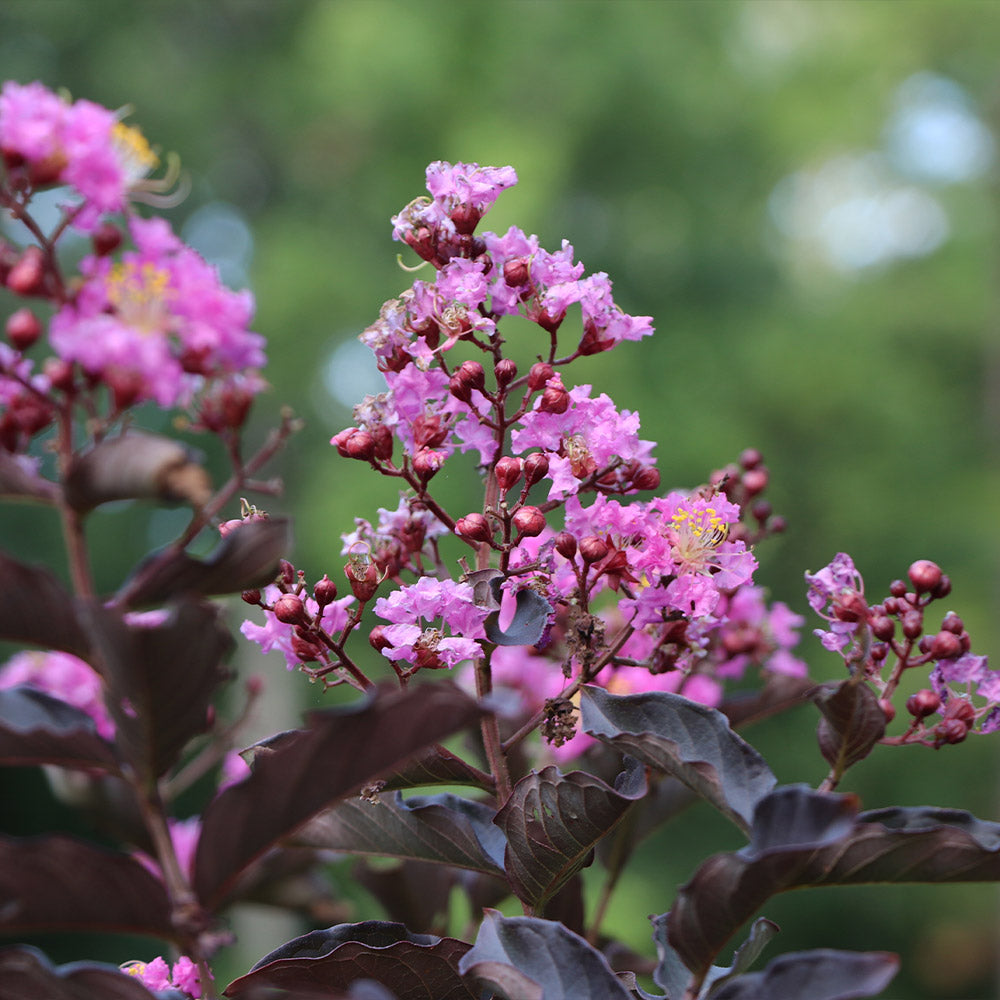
(652, 135)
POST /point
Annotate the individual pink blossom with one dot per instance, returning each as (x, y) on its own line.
(429, 599)
(836, 582)
(159, 318)
(467, 189)
(158, 975)
(65, 677)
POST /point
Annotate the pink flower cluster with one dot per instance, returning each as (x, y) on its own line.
(158, 975)
(80, 144)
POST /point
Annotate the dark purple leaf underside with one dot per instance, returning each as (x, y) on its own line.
(823, 974)
(57, 883)
(685, 739)
(411, 966)
(552, 823)
(443, 829)
(531, 615)
(437, 766)
(36, 609)
(26, 974)
(247, 557)
(160, 679)
(851, 724)
(340, 752)
(531, 959)
(36, 728)
(897, 845)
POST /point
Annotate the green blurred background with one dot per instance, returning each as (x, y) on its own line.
(801, 193)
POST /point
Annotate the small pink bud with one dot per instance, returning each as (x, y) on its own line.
(23, 329)
(952, 623)
(555, 398)
(289, 609)
(960, 708)
(59, 373)
(850, 606)
(529, 521)
(251, 596)
(777, 525)
(325, 592)
(363, 576)
(377, 639)
(539, 374)
(536, 468)
(106, 239)
(382, 436)
(924, 575)
(505, 372)
(255, 685)
(426, 463)
(28, 274)
(508, 470)
(883, 627)
(474, 527)
(755, 481)
(471, 372)
(897, 588)
(888, 709)
(913, 624)
(951, 731)
(339, 440)
(228, 527)
(943, 589)
(360, 445)
(750, 458)
(945, 646)
(566, 545)
(761, 510)
(516, 271)
(923, 703)
(593, 548)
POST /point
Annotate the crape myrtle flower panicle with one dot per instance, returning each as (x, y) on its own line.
(398, 537)
(82, 145)
(160, 315)
(836, 586)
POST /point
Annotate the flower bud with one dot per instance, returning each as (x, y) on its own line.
(761, 510)
(105, 239)
(539, 374)
(945, 646)
(913, 624)
(516, 271)
(287, 572)
(289, 609)
(339, 441)
(924, 575)
(505, 372)
(363, 576)
(23, 329)
(474, 527)
(565, 544)
(897, 588)
(850, 606)
(593, 548)
(960, 708)
(251, 596)
(536, 468)
(952, 623)
(943, 589)
(508, 470)
(426, 463)
(28, 274)
(951, 731)
(888, 709)
(324, 592)
(377, 639)
(471, 372)
(777, 525)
(750, 458)
(755, 481)
(459, 388)
(646, 477)
(882, 626)
(360, 445)
(555, 398)
(59, 373)
(305, 649)
(382, 436)
(529, 521)
(923, 703)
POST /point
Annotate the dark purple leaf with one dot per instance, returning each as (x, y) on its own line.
(36, 728)
(160, 679)
(57, 883)
(815, 975)
(444, 829)
(530, 959)
(779, 693)
(36, 609)
(342, 750)
(412, 966)
(685, 739)
(851, 724)
(552, 822)
(247, 557)
(414, 893)
(26, 974)
(438, 766)
(822, 848)
(136, 466)
(18, 481)
(531, 615)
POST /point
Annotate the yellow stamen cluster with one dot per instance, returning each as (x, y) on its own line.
(697, 533)
(134, 152)
(139, 295)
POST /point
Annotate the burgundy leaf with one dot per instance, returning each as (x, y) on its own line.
(683, 738)
(160, 679)
(247, 557)
(136, 466)
(36, 728)
(779, 693)
(553, 821)
(444, 829)
(414, 893)
(822, 974)
(342, 750)
(26, 974)
(892, 845)
(851, 724)
(57, 883)
(36, 609)
(412, 966)
(438, 766)
(531, 959)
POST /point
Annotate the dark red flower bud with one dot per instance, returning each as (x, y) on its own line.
(426, 463)
(539, 374)
(125, 386)
(287, 572)
(924, 575)
(28, 274)
(593, 548)
(289, 609)
(777, 525)
(945, 646)
(529, 521)
(509, 471)
(913, 623)
(377, 639)
(360, 445)
(882, 626)
(923, 703)
(897, 588)
(305, 649)
(943, 589)
(755, 481)
(251, 596)
(888, 709)
(459, 388)
(960, 708)
(646, 477)
(382, 437)
(516, 271)
(761, 511)
(466, 217)
(363, 576)
(536, 468)
(566, 545)
(850, 606)
(952, 623)
(23, 329)
(505, 372)
(59, 373)
(472, 373)
(555, 398)
(951, 731)
(339, 440)
(474, 527)
(106, 239)
(325, 592)
(750, 458)
(429, 431)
